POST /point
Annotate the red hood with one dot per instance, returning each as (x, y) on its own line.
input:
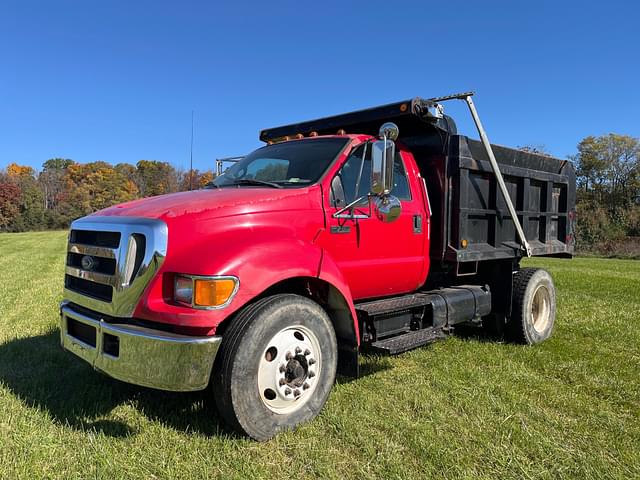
(215, 203)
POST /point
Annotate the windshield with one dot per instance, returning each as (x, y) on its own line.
(289, 164)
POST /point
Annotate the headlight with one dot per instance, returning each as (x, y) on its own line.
(205, 292)
(183, 291)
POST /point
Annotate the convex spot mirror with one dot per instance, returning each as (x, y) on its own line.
(387, 208)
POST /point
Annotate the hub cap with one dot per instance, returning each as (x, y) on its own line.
(540, 309)
(289, 369)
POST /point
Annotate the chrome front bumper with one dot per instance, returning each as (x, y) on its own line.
(139, 355)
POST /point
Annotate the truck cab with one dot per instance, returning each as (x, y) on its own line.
(376, 258)
(379, 230)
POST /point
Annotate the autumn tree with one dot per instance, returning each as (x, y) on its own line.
(31, 199)
(52, 184)
(52, 180)
(608, 169)
(129, 171)
(15, 171)
(9, 201)
(93, 186)
(608, 177)
(156, 178)
(195, 179)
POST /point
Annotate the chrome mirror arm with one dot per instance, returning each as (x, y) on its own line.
(364, 155)
(339, 213)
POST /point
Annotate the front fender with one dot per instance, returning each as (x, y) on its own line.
(330, 273)
(257, 268)
(260, 250)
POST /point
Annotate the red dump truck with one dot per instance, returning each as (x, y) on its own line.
(378, 230)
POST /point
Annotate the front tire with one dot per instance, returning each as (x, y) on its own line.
(533, 310)
(276, 366)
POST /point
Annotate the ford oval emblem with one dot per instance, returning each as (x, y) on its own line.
(87, 262)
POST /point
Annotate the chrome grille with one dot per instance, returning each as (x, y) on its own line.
(110, 260)
(96, 238)
(90, 288)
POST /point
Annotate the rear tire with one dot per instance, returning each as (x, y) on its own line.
(276, 366)
(533, 310)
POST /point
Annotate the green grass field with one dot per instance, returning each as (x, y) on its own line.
(465, 407)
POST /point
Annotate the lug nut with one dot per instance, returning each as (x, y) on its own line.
(305, 386)
(307, 352)
(298, 350)
(312, 361)
(311, 374)
(283, 369)
(296, 393)
(288, 356)
(282, 381)
(287, 391)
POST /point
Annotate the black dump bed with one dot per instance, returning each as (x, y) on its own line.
(470, 219)
(468, 205)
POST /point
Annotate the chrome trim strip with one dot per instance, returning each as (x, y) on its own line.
(351, 217)
(94, 251)
(147, 357)
(96, 277)
(207, 277)
(126, 291)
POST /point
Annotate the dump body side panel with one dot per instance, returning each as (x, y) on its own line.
(541, 188)
(470, 220)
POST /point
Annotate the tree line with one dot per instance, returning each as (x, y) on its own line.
(608, 200)
(65, 190)
(607, 166)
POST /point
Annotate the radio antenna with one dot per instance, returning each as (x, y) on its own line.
(191, 156)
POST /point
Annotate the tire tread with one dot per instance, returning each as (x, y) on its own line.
(224, 364)
(518, 321)
(226, 354)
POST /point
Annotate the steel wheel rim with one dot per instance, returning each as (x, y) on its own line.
(541, 309)
(289, 369)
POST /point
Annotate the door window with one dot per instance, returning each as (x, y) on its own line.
(354, 179)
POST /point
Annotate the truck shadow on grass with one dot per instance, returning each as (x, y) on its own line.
(478, 334)
(45, 377)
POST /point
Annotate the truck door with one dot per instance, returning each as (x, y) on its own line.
(376, 258)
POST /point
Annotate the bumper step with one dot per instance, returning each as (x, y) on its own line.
(407, 341)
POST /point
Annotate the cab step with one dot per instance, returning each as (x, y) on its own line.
(395, 304)
(407, 341)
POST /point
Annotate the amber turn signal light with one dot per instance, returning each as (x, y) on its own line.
(213, 292)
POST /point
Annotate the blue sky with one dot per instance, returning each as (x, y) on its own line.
(117, 81)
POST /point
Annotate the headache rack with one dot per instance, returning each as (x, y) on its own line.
(412, 117)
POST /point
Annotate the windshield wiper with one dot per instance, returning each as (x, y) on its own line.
(253, 181)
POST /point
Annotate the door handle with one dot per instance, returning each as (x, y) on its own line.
(417, 223)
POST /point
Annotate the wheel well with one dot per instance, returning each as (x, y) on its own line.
(337, 308)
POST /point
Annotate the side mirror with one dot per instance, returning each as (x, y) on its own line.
(387, 207)
(382, 156)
